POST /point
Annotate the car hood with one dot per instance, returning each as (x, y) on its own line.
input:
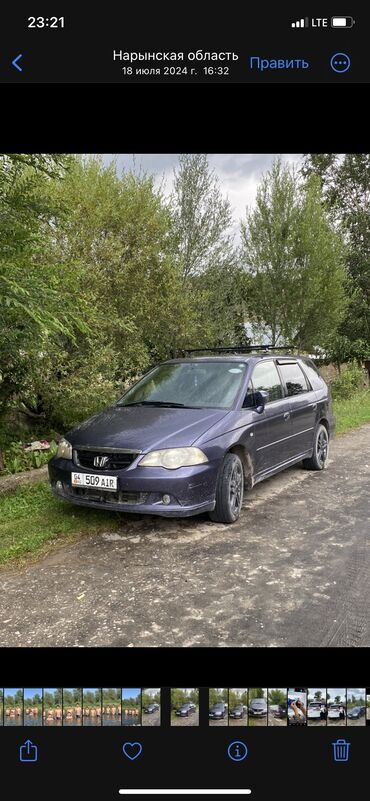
(144, 427)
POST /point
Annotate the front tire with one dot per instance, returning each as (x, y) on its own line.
(319, 458)
(229, 490)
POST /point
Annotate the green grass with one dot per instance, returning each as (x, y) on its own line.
(353, 412)
(32, 521)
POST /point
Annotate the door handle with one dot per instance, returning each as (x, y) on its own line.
(286, 415)
(313, 405)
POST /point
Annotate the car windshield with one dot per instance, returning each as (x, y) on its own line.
(188, 384)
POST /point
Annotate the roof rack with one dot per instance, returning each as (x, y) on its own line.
(237, 349)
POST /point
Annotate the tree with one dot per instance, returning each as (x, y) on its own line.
(277, 697)
(217, 695)
(346, 191)
(256, 692)
(205, 253)
(293, 259)
(116, 241)
(201, 217)
(30, 284)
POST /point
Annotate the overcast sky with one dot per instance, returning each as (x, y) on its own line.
(238, 173)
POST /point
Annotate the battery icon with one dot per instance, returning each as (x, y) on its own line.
(342, 22)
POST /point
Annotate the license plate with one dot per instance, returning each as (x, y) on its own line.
(97, 482)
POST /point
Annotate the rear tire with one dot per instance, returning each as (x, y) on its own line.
(229, 490)
(319, 458)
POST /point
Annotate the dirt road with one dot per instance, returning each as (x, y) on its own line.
(294, 571)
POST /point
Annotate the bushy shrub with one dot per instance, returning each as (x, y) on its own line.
(349, 382)
(16, 459)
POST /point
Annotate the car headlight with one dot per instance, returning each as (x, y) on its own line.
(64, 449)
(172, 458)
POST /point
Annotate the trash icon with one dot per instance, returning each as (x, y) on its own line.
(341, 751)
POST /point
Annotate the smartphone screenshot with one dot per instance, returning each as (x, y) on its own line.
(184, 401)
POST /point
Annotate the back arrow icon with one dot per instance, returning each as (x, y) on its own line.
(15, 62)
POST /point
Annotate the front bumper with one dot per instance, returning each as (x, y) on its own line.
(141, 489)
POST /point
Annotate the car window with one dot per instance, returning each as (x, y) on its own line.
(312, 374)
(293, 377)
(249, 400)
(266, 378)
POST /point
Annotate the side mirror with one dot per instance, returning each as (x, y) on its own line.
(261, 400)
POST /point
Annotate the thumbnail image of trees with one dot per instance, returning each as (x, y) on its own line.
(356, 706)
(151, 706)
(111, 706)
(238, 700)
(131, 706)
(184, 706)
(91, 704)
(13, 707)
(72, 706)
(368, 707)
(32, 709)
(218, 695)
(1, 706)
(53, 706)
(277, 706)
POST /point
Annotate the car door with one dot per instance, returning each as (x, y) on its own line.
(303, 406)
(272, 428)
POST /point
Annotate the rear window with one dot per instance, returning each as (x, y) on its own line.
(293, 377)
(312, 374)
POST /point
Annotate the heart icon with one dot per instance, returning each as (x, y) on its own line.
(132, 750)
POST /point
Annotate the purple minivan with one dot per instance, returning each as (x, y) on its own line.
(193, 433)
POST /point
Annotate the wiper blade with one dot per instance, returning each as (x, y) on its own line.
(153, 403)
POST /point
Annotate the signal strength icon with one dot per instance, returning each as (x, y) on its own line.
(300, 23)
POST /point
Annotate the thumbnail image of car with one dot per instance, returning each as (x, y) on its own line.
(337, 706)
(238, 706)
(356, 713)
(218, 711)
(316, 707)
(257, 709)
(314, 712)
(277, 706)
(150, 708)
(367, 707)
(218, 706)
(334, 712)
(356, 706)
(184, 707)
(150, 705)
(185, 710)
(277, 715)
(239, 712)
(194, 432)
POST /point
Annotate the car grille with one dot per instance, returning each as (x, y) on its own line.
(116, 461)
(109, 497)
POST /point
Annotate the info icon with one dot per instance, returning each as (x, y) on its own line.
(237, 751)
